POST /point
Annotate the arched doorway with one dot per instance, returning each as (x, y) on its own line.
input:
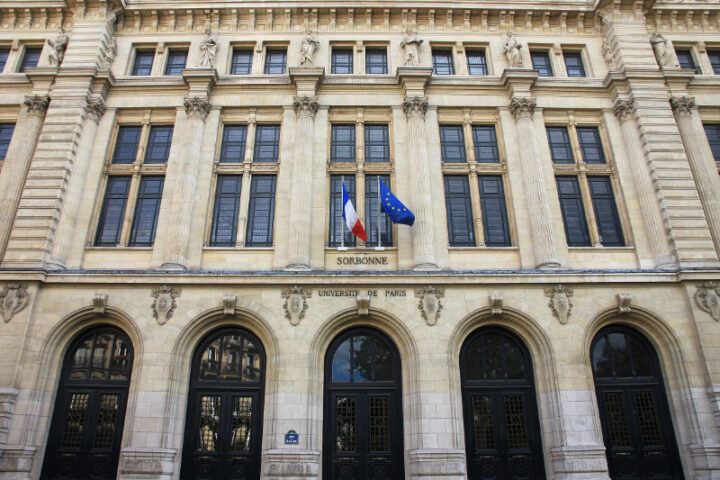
(502, 433)
(87, 424)
(223, 427)
(363, 408)
(639, 439)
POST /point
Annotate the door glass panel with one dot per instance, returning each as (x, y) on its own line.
(101, 355)
(251, 363)
(493, 357)
(81, 359)
(379, 424)
(642, 364)
(617, 423)
(241, 422)
(346, 428)
(209, 423)
(515, 421)
(514, 362)
(473, 360)
(647, 418)
(75, 420)
(362, 349)
(383, 363)
(601, 359)
(209, 361)
(121, 361)
(483, 422)
(620, 354)
(107, 420)
(341, 363)
(232, 353)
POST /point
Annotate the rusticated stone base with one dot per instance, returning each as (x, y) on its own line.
(437, 463)
(705, 461)
(16, 462)
(579, 462)
(291, 464)
(147, 463)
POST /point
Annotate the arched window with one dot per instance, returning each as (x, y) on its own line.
(363, 407)
(502, 433)
(637, 428)
(223, 427)
(89, 411)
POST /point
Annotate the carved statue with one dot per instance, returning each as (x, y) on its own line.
(57, 48)
(108, 54)
(207, 50)
(512, 51)
(664, 56)
(411, 44)
(308, 48)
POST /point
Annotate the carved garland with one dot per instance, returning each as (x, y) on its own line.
(296, 303)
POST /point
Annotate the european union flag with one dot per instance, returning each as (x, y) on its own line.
(394, 209)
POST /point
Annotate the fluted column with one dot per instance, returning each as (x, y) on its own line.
(701, 163)
(301, 216)
(178, 235)
(17, 163)
(544, 245)
(71, 205)
(422, 231)
(657, 239)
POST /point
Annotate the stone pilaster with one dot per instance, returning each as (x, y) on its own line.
(657, 238)
(422, 231)
(523, 108)
(178, 235)
(301, 216)
(66, 226)
(17, 163)
(701, 163)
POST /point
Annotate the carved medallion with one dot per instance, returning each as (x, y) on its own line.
(429, 304)
(560, 303)
(164, 304)
(13, 298)
(708, 299)
(295, 303)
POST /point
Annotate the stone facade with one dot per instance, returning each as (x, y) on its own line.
(167, 296)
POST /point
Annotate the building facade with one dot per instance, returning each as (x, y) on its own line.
(181, 297)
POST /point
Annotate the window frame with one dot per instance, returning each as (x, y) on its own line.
(377, 49)
(482, 50)
(714, 52)
(335, 65)
(692, 57)
(271, 50)
(22, 66)
(237, 48)
(436, 52)
(576, 54)
(6, 128)
(142, 50)
(171, 52)
(4, 51)
(536, 51)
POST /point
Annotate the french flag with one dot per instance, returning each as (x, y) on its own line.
(351, 219)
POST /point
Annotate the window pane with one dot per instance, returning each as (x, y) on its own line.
(146, 211)
(209, 423)
(126, 146)
(176, 62)
(714, 57)
(158, 148)
(30, 59)
(376, 61)
(113, 211)
(342, 143)
(476, 62)
(6, 131)
(559, 141)
(459, 211)
(80, 362)
(485, 143)
(713, 136)
(337, 222)
(241, 62)
(233, 144)
(225, 214)
(4, 52)
(452, 142)
(267, 143)
(143, 62)
(574, 64)
(275, 61)
(241, 423)
(606, 214)
(377, 143)
(443, 62)
(573, 212)
(371, 212)
(492, 201)
(685, 59)
(342, 60)
(261, 212)
(341, 363)
(541, 63)
(591, 145)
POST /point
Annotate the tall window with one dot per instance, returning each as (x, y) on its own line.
(584, 180)
(176, 62)
(714, 56)
(376, 61)
(261, 212)
(275, 60)
(226, 211)
(442, 62)
(6, 132)
(541, 63)
(233, 144)
(685, 58)
(241, 61)
(4, 53)
(476, 62)
(574, 64)
(267, 143)
(342, 143)
(143, 62)
(339, 233)
(713, 135)
(377, 143)
(342, 60)
(474, 187)
(30, 59)
(143, 149)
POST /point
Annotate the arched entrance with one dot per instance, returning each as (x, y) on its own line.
(637, 428)
(502, 433)
(223, 427)
(363, 408)
(87, 424)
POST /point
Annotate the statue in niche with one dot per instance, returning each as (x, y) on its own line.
(411, 45)
(57, 48)
(512, 51)
(664, 56)
(308, 48)
(208, 45)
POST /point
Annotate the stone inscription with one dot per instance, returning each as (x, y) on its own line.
(354, 293)
(357, 260)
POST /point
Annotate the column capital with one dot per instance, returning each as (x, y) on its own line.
(415, 106)
(197, 107)
(624, 109)
(96, 109)
(523, 107)
(305, 106)
(682, 106)
(37, 105)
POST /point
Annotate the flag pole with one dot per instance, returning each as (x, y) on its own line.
(342, 229)
(379, 225)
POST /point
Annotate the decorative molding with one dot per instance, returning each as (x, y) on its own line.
(415, 106)
(37, 105)
(624, 110)
(560, 303)
(229, 305)
(305, 106)
(99, 303)
(197, 107)
(523, 107)
(164, 304)
(13, 298)
(496, 304)
(429, 304)
(708, 299)
(96, 109)
(682, 106)
(363, 304)
(623, 301)
(296, 303)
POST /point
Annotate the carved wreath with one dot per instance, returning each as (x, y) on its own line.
(429, 304)
(164, 303)
(708, 299)
(13, 298)
(560, 303)
(295, 304)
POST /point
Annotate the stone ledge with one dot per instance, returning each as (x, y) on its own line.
(291, 464)
(435, 463)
